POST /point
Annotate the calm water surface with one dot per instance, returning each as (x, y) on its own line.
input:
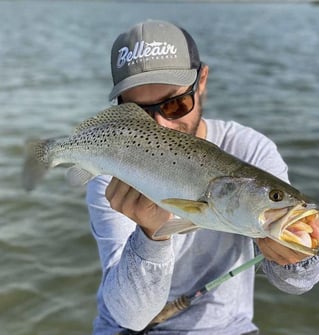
(54, 72)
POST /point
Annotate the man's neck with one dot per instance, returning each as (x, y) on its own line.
(202, 130)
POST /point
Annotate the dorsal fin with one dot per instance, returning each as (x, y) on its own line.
(127, 111)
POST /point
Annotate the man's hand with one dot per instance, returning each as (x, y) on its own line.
(126, 200)
(278, 253)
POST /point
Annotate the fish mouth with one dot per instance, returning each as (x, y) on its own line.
(296, 227)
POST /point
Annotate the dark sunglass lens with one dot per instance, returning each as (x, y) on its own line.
(149, 111)
(178, 107)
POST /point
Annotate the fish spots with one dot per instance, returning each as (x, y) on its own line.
(129, 128)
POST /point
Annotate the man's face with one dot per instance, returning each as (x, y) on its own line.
(156, 93)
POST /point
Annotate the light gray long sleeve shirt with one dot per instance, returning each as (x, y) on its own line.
(141, 275)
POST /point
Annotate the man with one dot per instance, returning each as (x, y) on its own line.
(156, 65)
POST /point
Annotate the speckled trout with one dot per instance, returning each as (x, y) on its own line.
(194, 179)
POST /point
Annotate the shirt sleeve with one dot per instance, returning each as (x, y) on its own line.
(293, 278)
(131, 262)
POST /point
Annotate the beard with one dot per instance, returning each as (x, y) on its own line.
(192, 128)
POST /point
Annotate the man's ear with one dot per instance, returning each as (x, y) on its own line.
(203, 80)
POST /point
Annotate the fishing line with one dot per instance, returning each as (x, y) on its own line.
(184, 301)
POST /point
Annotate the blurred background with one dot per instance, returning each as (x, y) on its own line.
(55, 72)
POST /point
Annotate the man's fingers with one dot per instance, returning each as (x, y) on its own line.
(278, 253)
(128, 201)
(122, 197)
(116, 193)
(111, 189)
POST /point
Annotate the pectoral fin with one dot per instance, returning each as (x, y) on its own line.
(176, 226)
(188, 206)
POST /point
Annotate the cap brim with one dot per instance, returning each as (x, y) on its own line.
(168, 77)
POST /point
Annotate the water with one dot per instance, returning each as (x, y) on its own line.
(54, 72)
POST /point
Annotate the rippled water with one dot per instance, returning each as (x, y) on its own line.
(54, 72)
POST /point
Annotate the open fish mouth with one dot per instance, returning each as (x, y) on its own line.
(297, 227)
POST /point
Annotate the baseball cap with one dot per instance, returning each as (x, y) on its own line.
(153, 52)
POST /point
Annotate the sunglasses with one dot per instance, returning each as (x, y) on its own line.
(175, 107)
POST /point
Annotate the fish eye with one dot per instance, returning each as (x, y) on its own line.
(276, 195)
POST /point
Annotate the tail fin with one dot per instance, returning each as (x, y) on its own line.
(36, 163)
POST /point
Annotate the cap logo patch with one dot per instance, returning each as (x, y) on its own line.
(143, 50)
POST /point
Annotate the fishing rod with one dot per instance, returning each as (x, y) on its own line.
(184, 301)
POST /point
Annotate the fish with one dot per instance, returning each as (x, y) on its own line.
(202, 185)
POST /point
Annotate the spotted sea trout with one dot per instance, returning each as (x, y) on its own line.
(194, 179)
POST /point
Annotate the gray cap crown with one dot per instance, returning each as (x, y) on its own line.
(153, 52)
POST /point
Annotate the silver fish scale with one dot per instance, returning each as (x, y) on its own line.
(129, 126)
